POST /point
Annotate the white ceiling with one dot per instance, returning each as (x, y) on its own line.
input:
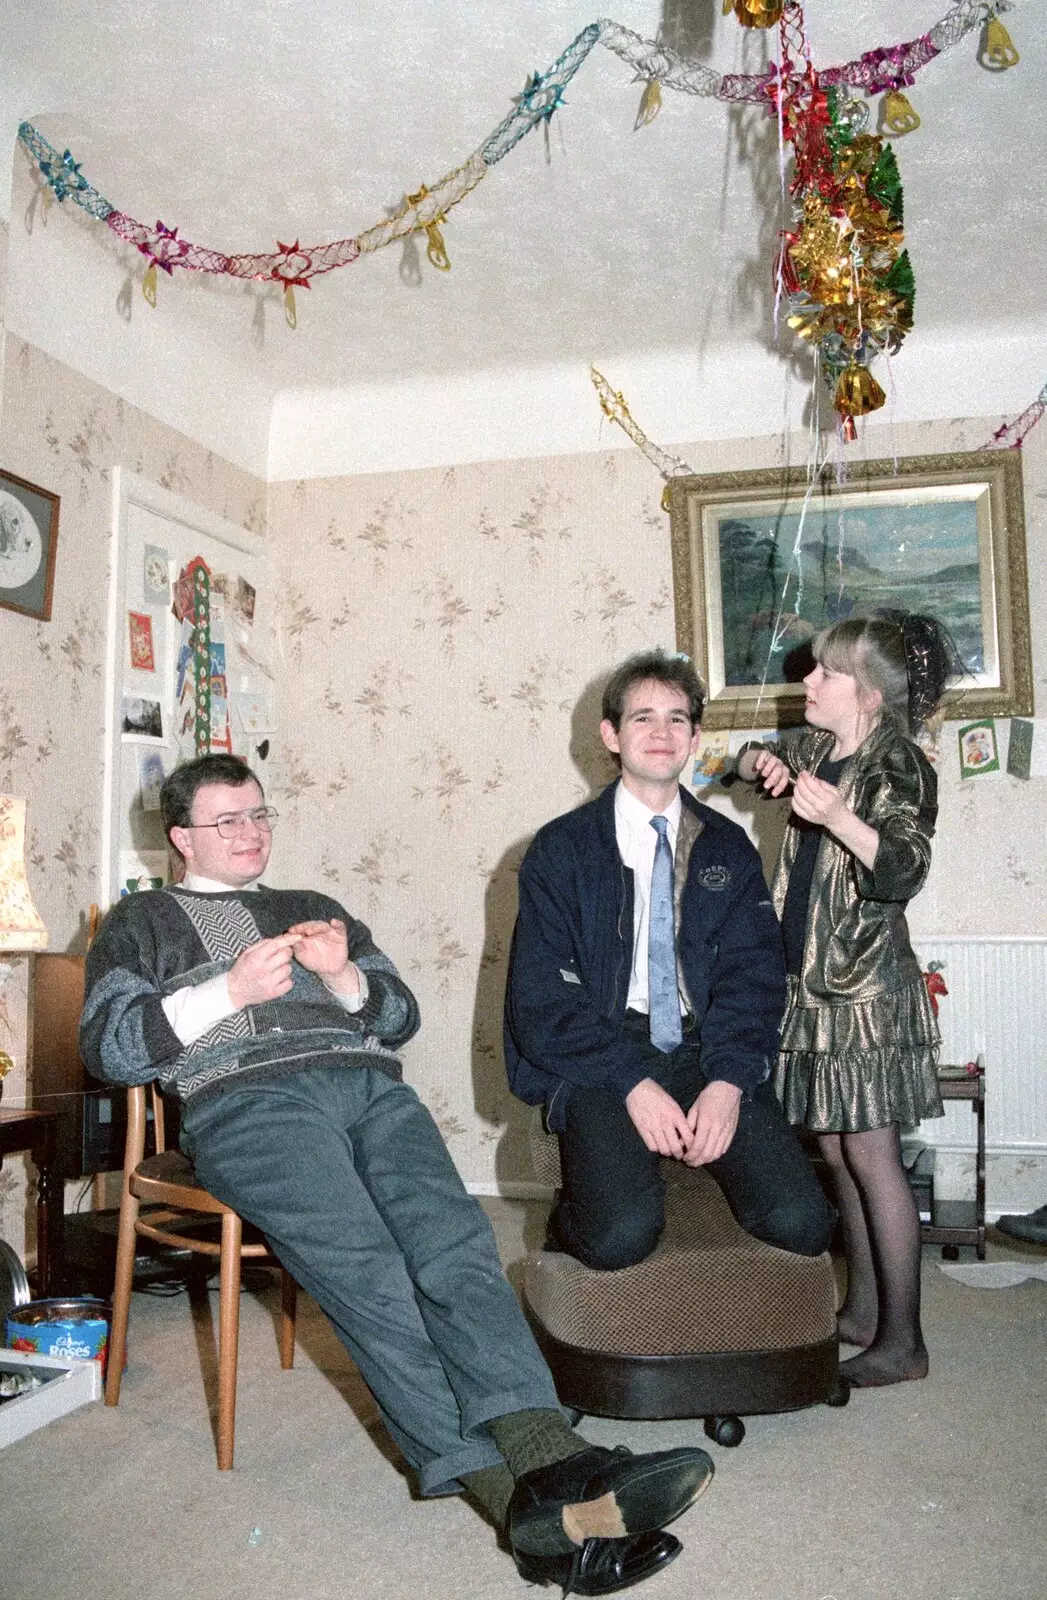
(242, 122)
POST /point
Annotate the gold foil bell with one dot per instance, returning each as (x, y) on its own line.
(650, 104)
(756, 13)
(858, 392)
(149, 283)
(436, 250)
(898, 114)
(997, 52)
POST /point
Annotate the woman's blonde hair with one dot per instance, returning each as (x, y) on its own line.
(909, 658)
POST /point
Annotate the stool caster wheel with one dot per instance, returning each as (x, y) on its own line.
(728, 1431)
(950, 1252)
(840, 1393)
(573, 1415)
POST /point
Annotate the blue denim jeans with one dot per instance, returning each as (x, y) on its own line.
(610, 1211)
(346, 1174)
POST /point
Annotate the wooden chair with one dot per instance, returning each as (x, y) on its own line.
(166, 1179)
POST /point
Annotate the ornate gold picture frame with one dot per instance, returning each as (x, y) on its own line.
(763, 560)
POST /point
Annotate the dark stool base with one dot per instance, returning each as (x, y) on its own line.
(655, 1388)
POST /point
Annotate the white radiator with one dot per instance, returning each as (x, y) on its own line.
(996, 1008)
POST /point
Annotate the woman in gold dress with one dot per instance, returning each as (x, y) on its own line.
(859, 1041)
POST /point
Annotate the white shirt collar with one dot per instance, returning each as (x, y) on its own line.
(197, 885)
(637, 815)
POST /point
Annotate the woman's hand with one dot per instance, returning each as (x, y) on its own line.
(817, 801)
(766, 766)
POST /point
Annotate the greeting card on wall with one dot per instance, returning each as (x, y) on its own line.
(140, 637)
(1027, 748)
(979, 752)
(712, 761)
(156, 579)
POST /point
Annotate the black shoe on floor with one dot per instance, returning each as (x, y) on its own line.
(603, 1494)
(1032, 1227)
(602, 1566)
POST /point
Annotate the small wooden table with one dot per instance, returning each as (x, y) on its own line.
(37, 1133)
(956, 1222)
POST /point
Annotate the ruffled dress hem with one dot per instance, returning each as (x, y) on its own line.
(849, 1068)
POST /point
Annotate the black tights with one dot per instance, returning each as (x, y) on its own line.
(881, 1232)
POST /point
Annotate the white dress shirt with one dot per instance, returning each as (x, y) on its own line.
(637, 842)
(192, 1011)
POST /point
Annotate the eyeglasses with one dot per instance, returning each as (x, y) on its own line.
(237, 822)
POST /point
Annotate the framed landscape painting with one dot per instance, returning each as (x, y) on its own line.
(763, 560)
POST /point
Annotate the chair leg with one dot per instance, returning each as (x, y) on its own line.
(288, 1311)
(122, 1286)
(228, 1335)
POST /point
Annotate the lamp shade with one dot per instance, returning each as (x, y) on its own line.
(21, 925)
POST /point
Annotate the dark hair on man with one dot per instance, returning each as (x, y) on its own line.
(180, 788)
(645, 666)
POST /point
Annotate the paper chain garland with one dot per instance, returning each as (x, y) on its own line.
(294, 265)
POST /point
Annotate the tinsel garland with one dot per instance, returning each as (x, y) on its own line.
(295, 265)
(614, 407)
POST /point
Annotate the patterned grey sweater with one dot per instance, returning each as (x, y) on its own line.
(155, 943)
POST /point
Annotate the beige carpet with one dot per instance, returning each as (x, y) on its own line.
(928, 1491)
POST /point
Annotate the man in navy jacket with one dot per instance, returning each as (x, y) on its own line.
(577, 1036)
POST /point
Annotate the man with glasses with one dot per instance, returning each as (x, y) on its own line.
(278, 1023)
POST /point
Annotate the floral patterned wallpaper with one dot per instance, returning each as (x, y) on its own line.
(445, 634)
(443, 637)
(63, 432)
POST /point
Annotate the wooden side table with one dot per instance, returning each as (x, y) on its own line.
(957, 1222)
(37, 1133)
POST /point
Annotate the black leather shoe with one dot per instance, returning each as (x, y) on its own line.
(603, 1494)
(603, 1566)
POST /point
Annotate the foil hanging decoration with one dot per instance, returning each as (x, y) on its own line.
(898, 114)
(997, 51)
(848, 280)
(756, 13)
(650, 103)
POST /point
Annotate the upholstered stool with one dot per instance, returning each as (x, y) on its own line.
(712, 1324)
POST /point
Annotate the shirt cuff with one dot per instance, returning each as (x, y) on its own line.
(196, 1008)
(352, 1002)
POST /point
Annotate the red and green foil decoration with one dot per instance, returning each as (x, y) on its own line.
(846, 279)
(843, 268)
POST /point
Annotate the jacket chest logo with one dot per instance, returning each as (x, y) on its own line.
(715, 879)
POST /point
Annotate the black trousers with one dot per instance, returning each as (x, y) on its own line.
(610, 1211)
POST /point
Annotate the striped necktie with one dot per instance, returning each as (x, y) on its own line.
(663, 988)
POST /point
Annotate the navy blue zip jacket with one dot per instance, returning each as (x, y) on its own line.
(572, 951)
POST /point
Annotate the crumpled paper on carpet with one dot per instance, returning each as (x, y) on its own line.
(993, 1274)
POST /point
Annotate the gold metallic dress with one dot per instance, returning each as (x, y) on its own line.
(860, 1041)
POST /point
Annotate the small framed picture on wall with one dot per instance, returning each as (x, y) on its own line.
(28, 546)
